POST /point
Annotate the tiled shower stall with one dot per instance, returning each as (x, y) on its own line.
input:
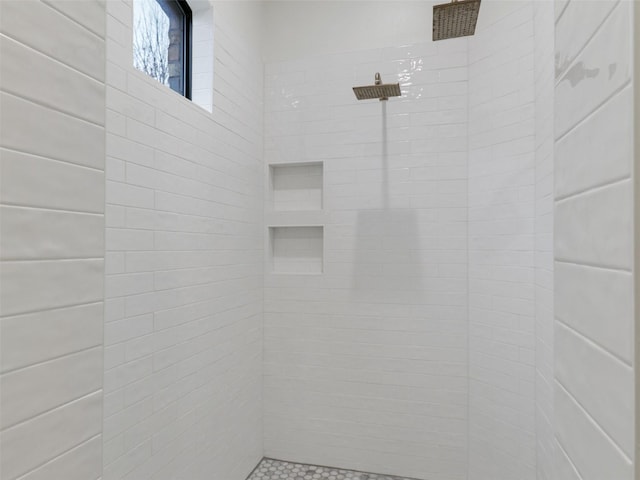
(275, 280)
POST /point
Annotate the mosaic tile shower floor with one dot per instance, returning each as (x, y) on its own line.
(277, 470)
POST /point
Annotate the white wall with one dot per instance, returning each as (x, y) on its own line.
(501, 244)
(183, 331)
(52, 114)
(544, 143)
(366, 363)
(594, 397)
(306, 28)
(636, 145)
(388, 361)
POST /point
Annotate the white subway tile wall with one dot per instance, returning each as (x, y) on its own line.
(203, 55)
(543, 18)
(366, 364)
(286, 271)
(594, 376)
(502, 197)
(52, 99)
(184, 241)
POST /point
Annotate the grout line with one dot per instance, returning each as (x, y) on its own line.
(559, 445)
(56, 160)
(256, 468)
(557, 18)
(57, 260)
(51, 4)
(48, 209)
(50, 309)
(593, 265)
(571, 62)
(25, 475)
(57, 407)
(598, 108)
(49, 360)
(595, 345)
(595, 188)
(52, 108)
(49, 57)
(593, 421)
(51, 159)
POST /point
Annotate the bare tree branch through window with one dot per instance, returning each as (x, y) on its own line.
(162, 42)
(151, 40)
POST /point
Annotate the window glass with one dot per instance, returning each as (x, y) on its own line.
(161, 37)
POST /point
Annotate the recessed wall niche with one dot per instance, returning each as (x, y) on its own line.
(296, 187)
(297, 250)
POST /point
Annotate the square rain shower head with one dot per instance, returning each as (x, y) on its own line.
(381, 92)
(455, 19)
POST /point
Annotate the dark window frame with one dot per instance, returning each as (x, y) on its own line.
(187, 43)
(182, 8)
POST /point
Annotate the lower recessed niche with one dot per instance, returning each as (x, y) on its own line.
(296, 250)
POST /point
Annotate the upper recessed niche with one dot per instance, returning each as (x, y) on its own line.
(296, 187)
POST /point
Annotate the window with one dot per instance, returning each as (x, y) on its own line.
(162, 42)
